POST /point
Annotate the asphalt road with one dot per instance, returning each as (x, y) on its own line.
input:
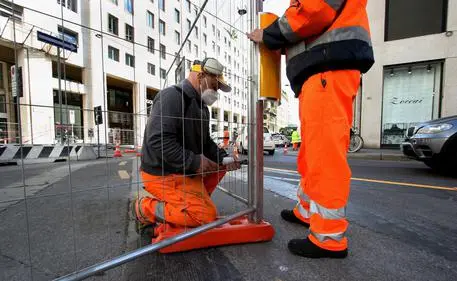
(402, 225)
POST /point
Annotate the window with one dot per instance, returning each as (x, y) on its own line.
(196, 32)
(162, 5)
(218, 34)
(129, 60)
(69, 4)
(188, 24)
(177, 37)
(128, 6)
(129, 33)
(68, 35)
(214, 30)
(151, 69)
(196, 50)
(113, 24)
(188, 5)
(113, 53)
(411, 95)
(225, 40)
(214, 46)
(162, 27)
(205, 38)
(189, 48)
(205, 22)
(423, 17)
(177, 16)
(163, 51)
(150, 19)
(218, 50)
(163, 73)
(151, 45)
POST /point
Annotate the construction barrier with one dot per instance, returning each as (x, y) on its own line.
(45, 153)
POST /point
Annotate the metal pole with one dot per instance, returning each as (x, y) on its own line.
(98, 140)
(259, 161)
(255, 8)
(102, 267)
(59, 77)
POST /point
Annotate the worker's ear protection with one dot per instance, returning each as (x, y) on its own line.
(208, 65)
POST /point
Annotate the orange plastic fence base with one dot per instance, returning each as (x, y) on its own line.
(238, 231)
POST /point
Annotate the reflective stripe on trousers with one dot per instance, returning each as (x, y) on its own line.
(325, 118)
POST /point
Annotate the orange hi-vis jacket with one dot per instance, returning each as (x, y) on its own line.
(322, 35)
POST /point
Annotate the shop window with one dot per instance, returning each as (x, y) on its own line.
(411, 95)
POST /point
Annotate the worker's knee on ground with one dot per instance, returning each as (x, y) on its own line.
(207, 215)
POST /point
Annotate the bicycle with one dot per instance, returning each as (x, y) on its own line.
(356, 141)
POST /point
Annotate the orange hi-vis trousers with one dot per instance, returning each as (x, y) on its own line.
(325, 108)
(180, 200)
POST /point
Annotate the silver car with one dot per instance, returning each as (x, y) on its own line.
(434, 143)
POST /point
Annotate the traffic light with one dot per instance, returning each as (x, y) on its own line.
(98, 115)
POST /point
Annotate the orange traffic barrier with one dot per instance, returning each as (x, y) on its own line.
(238, 231)
(285, 149)
(129, 151)
(117, 151)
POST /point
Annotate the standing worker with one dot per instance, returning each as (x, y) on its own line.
(180, 164)
(295, 140)
(327, 45)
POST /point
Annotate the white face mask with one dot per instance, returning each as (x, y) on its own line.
(209, 96)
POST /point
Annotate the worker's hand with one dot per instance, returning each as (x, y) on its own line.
(256, 35)
(206, 165)
(233, 164)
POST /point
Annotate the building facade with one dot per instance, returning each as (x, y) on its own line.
(127, 51)
(414, 78)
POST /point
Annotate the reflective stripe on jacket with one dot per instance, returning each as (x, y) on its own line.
(322, 35)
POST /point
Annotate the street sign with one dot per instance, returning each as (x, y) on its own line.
(71, 114)
(62, 42)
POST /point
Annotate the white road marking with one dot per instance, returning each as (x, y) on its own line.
(123, 174)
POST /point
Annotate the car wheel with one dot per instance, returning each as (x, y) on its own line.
(271, 152)
(433, 163)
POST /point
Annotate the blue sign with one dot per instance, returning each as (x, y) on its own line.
(58, 42)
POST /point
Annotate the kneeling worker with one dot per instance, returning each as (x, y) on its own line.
(181, 165)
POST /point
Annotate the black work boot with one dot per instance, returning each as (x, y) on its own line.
(288, 215)
(142, 226)
(307, 249)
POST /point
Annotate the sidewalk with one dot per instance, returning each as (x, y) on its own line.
(368, 154)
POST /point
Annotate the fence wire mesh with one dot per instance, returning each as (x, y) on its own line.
(65, 111)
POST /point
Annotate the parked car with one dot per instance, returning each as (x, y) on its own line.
(242, 141)
(434, 143)
(280, 140)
